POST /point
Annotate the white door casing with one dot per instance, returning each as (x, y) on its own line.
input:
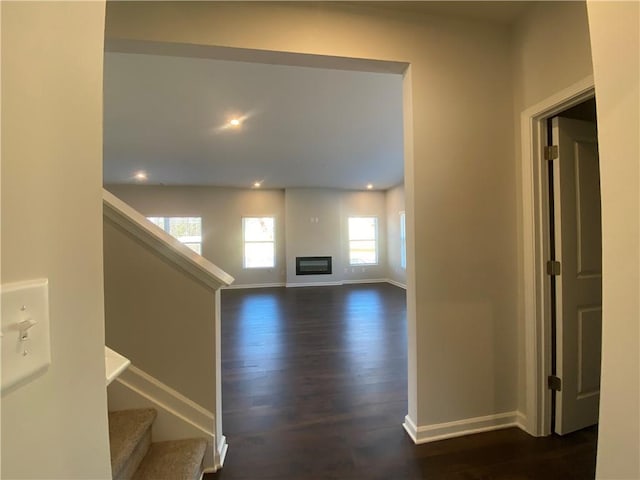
(578, 240)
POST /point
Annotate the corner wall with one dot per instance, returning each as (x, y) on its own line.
(395, 205)
(221, 210)
(56, 425)
(459, 185)
(615, 41)
(329, 235)
(540, 72)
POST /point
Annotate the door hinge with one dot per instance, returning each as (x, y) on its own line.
(554, 383)
(551, 152)
(553, 268)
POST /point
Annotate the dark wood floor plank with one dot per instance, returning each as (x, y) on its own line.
(315, 387)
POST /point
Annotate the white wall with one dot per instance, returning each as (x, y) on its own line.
(153, 307)
(459, 182)
(56, 425)
(328, 236)
(395, 204)
(221, 210)
(540, 71)
(615, 41)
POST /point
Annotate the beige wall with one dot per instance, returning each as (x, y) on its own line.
(363, 204)
(221, 210)
(329, 235)
(56, 425)
(615, 40)
(159, 317)
(459, 187)
(395, 204)
(540, 71)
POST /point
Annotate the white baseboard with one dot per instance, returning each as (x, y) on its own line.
(364, 280)
(233, 286)
(222, 449)
(397, 284)
(178, 417)
(313, 284)
(522, 422)
(458, 428)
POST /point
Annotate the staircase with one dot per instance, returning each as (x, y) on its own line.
(134, 455)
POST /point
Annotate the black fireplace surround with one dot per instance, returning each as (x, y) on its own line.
(313, 265)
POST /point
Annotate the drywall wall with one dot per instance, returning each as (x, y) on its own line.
(313, 229)
(459, 185)
(395, 205)
(153, 308)
(540, 72)
(363, 204)
(317, 225)
(615, 43)
(56, 425)
(221, 210)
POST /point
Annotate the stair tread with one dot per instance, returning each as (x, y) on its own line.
(126, 429)
(173, 460)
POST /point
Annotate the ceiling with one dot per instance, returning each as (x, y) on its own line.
(300, 126)
(499, 12)
(167, 115)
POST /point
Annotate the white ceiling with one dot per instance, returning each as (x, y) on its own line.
(303, 127)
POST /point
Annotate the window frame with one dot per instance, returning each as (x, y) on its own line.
(376, 240)
(245, 241)
(403, 240)
(166, 227)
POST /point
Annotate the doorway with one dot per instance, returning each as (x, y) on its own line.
(575, 267)
(537, 230)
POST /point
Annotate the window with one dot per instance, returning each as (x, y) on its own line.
(186, 229)
(259, 242)
(363, 240)
(403, 241)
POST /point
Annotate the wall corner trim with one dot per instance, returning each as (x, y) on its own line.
(459, 428)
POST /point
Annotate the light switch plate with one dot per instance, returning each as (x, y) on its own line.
(26, 351)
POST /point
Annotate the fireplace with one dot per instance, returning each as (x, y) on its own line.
(313, 265)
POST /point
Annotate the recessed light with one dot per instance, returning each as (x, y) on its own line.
(369, 186)
(234, 122)
(140, 176)
(257, 184)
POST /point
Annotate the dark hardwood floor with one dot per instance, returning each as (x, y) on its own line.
(315, 387)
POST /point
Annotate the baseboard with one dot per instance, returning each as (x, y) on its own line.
(364, 280)
(223, 447)
(178, 417)
(397, 284)
(313, 284)
(458, 428)
(522, 422)
(411, 428)
(233, 286)
(221, 450)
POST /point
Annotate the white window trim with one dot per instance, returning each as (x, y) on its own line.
(376, 239)
(403, 240)
(186, 240)
(244, 243)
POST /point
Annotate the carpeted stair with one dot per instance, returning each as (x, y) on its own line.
(134, 456)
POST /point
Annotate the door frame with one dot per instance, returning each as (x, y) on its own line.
(535, 233)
